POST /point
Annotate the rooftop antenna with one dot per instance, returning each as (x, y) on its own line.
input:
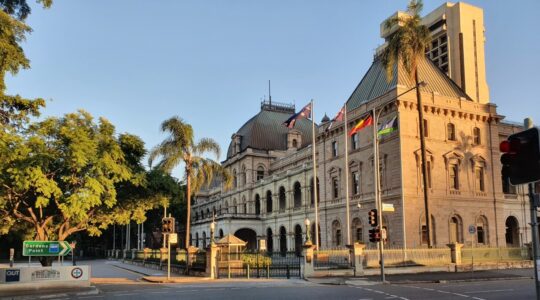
(269, 93)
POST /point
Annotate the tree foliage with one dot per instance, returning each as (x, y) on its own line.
(71, 174)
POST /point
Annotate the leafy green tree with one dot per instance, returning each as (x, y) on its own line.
(406, 46)
(63, 175)
(180, 147)
(14, 110)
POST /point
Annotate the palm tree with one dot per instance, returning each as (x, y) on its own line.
(406, 46)
(179, 147)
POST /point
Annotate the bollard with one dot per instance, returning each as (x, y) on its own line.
(11, 257)
(247, 271)
(268, 271)
(288, 273)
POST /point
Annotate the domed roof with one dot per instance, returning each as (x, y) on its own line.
(265, 131)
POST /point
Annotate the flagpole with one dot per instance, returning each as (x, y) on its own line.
(315, 193)
(377, 184)
(346, 135)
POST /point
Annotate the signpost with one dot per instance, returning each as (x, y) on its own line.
(472, 231)
(46, 248)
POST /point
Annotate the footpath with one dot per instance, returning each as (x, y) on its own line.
(430, 277)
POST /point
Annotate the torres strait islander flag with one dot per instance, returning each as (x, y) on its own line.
(364, 122)
(304, 113)
(389, 126)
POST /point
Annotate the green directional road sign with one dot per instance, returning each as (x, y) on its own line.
(46, 248)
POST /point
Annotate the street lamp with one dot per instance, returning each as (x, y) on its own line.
(308, 235)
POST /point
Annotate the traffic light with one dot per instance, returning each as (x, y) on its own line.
(373, 218)
(167, 225)
(374, 235)
(521, 157)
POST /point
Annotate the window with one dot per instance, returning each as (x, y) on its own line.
(268, 201)
(282, 199)
(260, 173)
(359, 234)
(476, 136)
(336, 230)
(454, 177)
(334, 149)
(355, 183)
(244, 175)
(355, 142)
(257, 204)
(479, 177)
(235, 179)
(426, 129)
(356, 230)
(297, 195)
(451, 132)
(295, 143)
(312, 192)
(335, 187)
(481, 230)
(507, 187)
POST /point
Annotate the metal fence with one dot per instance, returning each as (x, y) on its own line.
(332, 259)
(258, 265)
(472, 255)
(409, 257)
(156, 257)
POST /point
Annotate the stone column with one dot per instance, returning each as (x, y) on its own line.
(357, 254)
(211, 261)
(455, 252)
(309, 263)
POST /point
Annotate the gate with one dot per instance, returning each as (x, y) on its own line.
(258, 265)
(332, 259)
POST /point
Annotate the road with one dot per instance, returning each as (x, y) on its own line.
(117, 283)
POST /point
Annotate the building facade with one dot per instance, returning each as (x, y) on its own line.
(273, 186)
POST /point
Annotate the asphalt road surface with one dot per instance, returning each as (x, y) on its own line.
(118, 283)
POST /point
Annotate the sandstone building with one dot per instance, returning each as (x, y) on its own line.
(272, 165)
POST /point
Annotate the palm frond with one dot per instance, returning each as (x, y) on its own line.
(207, 145)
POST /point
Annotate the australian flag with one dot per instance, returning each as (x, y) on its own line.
(304, 113)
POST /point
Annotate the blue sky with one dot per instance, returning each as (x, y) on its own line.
(138, 62)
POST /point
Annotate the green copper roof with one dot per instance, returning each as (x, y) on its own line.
(265, 131)
(374, 84)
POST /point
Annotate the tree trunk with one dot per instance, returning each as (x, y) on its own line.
(423, 155)
(46, 261)
(188, 213)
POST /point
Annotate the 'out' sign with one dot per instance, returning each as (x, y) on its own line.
(13, 275)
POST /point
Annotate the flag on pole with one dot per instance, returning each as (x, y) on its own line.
(337, 118)
(304, 113)
(364, 122)
(388, 127)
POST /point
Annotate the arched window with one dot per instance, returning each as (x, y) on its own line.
(357, 230)
(282, 199)
(456, 229)
(244, 175)
(196, 216)
(204, 239)
(202, 215)
(260, 173)
(257, 204)
(297, 195)
(213, 211)
(190, 239)
(268, 201)
(226, 209)
(312, 198)
(476, 136)
(269, 240)
(235, 207)
(282, 241)
(454, 176)
(336, 233)
(481, 230)
(451, 132)
(424, 235)
(512, 232)
(220, 233)
(295, 143)
(208, 215)
(197, 239)
(244, 205)
(298, 239)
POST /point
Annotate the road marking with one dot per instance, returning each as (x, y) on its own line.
(158, 292)
(90, 297)
(120, 295)
(489, 291)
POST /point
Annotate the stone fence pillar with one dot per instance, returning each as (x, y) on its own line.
(309, 263)
(357, 255)
(455, 252)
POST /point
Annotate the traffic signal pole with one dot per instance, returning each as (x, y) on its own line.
(534, 232)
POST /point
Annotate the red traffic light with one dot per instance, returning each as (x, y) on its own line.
(510, 146)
